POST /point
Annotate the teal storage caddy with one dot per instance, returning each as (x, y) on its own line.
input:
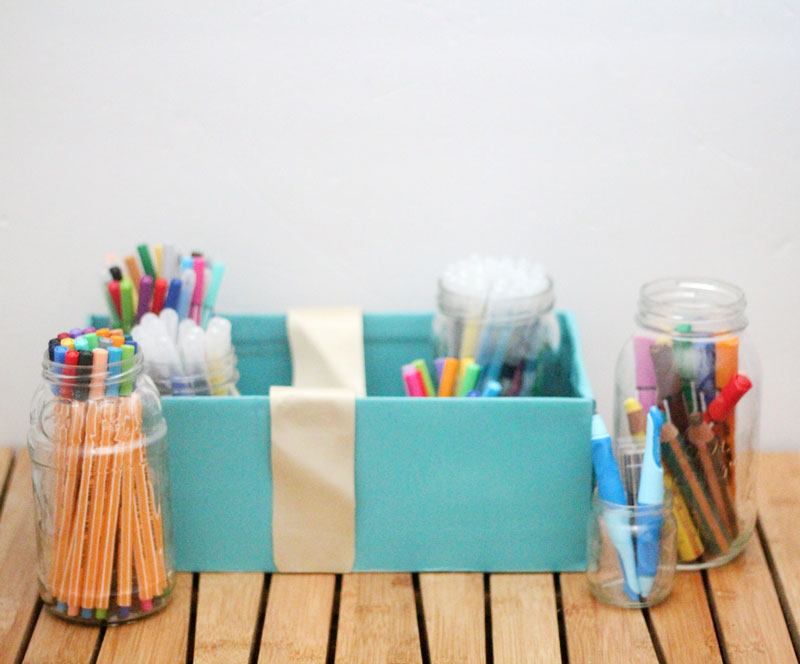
(488, 485)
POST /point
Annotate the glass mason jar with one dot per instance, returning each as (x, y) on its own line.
(691, 357)
(98, 447)
(631, 552)
(506, 336)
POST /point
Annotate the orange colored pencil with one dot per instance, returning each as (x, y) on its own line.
(77, 425)
(63, 508)
(110, 509)
(125, 551)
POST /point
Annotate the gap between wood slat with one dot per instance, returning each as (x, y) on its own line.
(562, 627)
(7, 459)
(190, 635)
(258, 631)
(712, 605)
(654, 636)
(487, 617)
(782, 598)
(423, 630)
(330, 656)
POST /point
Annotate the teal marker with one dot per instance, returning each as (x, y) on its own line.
(426, 377)
(211, 296)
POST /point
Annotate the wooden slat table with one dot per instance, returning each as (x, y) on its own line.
(744, 612)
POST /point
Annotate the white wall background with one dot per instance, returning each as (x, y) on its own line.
(341, 152)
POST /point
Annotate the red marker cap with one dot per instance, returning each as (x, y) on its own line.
(723, 404)
(159, 293)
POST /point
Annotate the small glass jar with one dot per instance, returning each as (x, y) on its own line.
(505, 336)
(690, 356)
(631, 552)
(98, 447)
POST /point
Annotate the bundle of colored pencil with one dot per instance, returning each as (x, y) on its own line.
(107, 547)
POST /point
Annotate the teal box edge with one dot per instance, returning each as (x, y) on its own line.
(493, 485)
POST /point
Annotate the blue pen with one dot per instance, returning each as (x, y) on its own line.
(610, 489)
(651, 492)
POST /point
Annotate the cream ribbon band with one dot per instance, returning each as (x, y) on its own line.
(313, 442)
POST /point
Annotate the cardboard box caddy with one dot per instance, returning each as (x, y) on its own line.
(441, 484)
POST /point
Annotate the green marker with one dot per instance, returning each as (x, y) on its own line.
(469, 380)
(685, 364)
(126, 299)
(91, 339)
(426, 377)
(147, 263)
(126, 386)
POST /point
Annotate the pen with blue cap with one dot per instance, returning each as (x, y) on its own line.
(651, 492)
(610, 489)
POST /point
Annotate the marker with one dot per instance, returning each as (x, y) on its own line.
(705, 353)
(685, 363)
(83, 373)
(126, 300)
(492, 389)
(169, 263)
(63, 335)
(413, 381)
(51, 346)
(126, 387)
(69, 342)
(159, 294)
(88, 330)
(651, 492)
(645, 372)
(187, 290)
(113, 288)
(115, 272)
(134, 273)
(438, 365)
(59, 359)
(114, 369)
(448, 380)
(147, 263)
(637, 420)
(196, 311)
(213, 290)
(469, 380)
(145, 294)
(91, 340)
(609, 488)
(690, 546)
(75, 332)
(70, 365)
(426, 377)
(157, 253)
(722, 406)
(103, 332)
(99, 367)
(81, 343)
(173, 294)
(669, 383)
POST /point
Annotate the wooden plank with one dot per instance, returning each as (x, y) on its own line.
(18, 584)
(227, 611)
(159, 638)
(297, 620)
(453, 604)
(6, 454)
(598, 632)
(524, 619)
(56, 640)
(684, 624)
(377, 620)
(779, 514)
(748, 611)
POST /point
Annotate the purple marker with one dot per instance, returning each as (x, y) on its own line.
(75, 332)
(145, 294)
(473, 393)
(645, 373)
(439, 364)
(89, 330)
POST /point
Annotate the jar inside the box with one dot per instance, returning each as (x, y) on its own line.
(690, 355)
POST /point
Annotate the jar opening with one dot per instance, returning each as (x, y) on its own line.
(502, 309)
(692, 307)
(114, 373)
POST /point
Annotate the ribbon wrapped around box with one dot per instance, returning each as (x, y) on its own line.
(437, 484)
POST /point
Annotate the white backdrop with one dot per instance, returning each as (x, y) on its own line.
(341, 153)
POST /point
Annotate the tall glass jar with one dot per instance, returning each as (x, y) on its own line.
(98, 447)
(690, 355)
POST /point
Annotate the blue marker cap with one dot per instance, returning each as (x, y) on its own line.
(60, 354)
(609, 484)
(173, 294)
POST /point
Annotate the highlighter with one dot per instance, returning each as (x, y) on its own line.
(669, 383)
(426, 377)
(609, 488)
(637, 420)
(645, 373)
(651, 492)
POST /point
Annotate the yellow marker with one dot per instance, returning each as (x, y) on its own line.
(157, 252)
(690, 546)
(69, 342)
(469, 341)
(637, 420)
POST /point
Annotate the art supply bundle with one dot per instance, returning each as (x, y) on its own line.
(454, 378)
(497, 314)
(166, 301)
(149, 283)
(691, 360)
(183, 359)
(632, 547)
(97, 442)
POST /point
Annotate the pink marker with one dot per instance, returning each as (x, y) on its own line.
(413, 379)
(645, 372)
(196, 312)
